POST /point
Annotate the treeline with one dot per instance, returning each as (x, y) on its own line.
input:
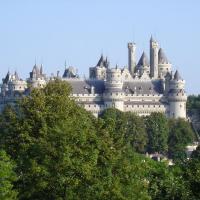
(193, 102)
(152, 134)
(53, 149)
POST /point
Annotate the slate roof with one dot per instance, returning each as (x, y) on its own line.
(7, 78)
(177, 76)
(152, 39)
(162, 59)
(103, 62)
(70, 73)
(143, 87)
(129, 87)
(143, 60)
(84, 86)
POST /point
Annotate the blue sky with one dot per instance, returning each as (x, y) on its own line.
(52, 31)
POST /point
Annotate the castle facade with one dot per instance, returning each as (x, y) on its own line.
(143, 87)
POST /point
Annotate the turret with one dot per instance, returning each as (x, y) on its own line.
(37, 78)
(153, 58)
(99, 71)
(143, 66)
(177, 97)
(113, 96)
(70, 72)
(131, 57)
(16, 84)
(4, 86)
(164, 66)
(12, 83)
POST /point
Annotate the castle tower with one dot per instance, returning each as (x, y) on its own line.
(153, 58)
(113, 96)
(143, 66)
(167, 80)
(131, 57)
(36, 79)
(164, 66)
(99, 71)
(177, 97)
(16, 84)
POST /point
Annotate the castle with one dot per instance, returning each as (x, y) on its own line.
(143, 87)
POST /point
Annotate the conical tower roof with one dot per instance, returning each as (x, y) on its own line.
(101, 61)
(143, 60)
(162, 59)
(41, 69)
(7, 78)
(152, 39)
(177, 76)
(168, 76)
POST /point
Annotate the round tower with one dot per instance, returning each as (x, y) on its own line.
(113, 96)
(177, 97)
(16, 84)
(131, 57)
(153, 58)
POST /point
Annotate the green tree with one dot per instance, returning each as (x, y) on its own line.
(128, 127)
(180, 135)
(7, 177)
(192, 173)
(157, 130)
(63, 152)
(166, 182)
(193, 102)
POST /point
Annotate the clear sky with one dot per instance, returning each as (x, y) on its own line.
(78, 31)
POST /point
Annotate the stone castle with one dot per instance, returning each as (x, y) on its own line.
(143, 87)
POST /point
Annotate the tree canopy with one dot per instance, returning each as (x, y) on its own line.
(157, 129)
(61, 151)
(7, 177)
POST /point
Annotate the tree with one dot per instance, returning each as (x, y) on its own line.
(180, 135)
(157, 130)
(7, 177)
(63, 152)
(192, 173)
(167, 182)
(128, 127)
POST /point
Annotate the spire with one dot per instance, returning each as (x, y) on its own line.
(65, 64)
(7, 78)
(101, 60)
(177, 76)
(152, 39)
(16, 76)
(34, 69)
(106, 63)
(162, 59)
(41, 69)
(143, 60)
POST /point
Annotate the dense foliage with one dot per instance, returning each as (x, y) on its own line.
(128, 126)
(180, 135)
(62, 152)
(7, 176)
(157, 129)
(193, 102)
